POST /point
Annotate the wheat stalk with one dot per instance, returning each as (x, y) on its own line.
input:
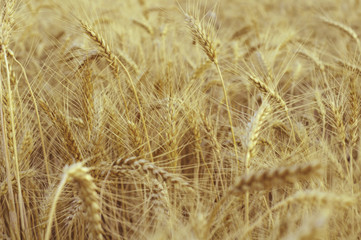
(10, 53)
(10, 126)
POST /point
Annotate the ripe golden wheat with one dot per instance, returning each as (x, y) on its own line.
(180, 119)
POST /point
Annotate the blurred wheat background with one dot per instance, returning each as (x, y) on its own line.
(162, 119)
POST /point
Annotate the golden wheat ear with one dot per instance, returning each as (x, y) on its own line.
(61, 123)
(206, 41)
(78, 174)
(342, 27)
(272, 95)
(150, 168)
(117, 63)
(270, 178)
(202, 37)
(261, 180)
(257, 123)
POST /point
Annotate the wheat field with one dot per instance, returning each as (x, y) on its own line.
(180, 119)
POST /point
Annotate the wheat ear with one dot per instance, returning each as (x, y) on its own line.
(349, 66)
(23, 175)
(261, 180)
(88, 100)
(339, 126)
(60, 122)
(208, 46)
(311, 196)
(256, 127)
(274, 97)
(87, 190)
(353, 123)
(172, 133)
(115, 64)
(196, 132)
(215, 146)
(110, 57)
(346, 29)
(257, 124)
(135, 139)
(310, 227)
(159, 199)
(7, 22)
(355, 113)
(199, 71)
(314, 59)
(152, 169)
(145, 26)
